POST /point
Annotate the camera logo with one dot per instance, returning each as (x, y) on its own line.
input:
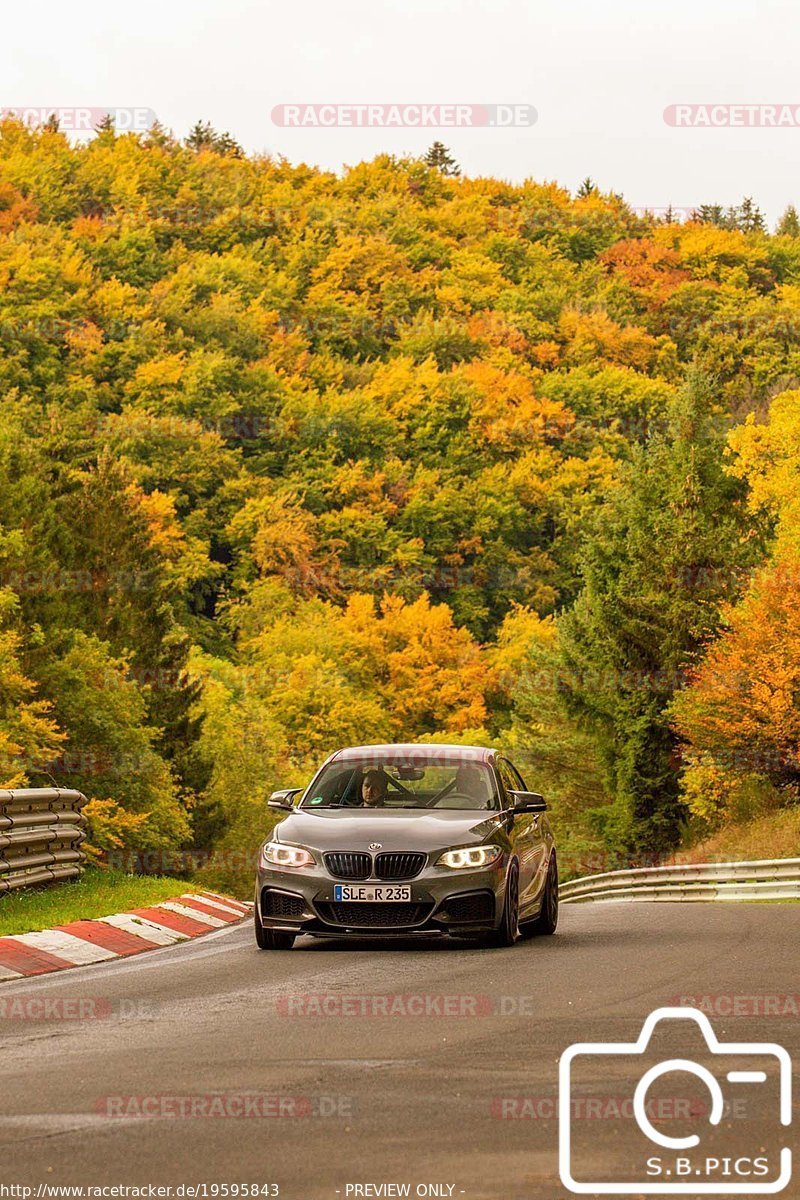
(705, 1154)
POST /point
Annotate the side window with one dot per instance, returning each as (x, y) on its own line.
(520, 784)
(508, 777)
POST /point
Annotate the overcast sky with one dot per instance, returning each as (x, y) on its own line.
(599, 74)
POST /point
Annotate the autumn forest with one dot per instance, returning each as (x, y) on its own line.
(294, 460)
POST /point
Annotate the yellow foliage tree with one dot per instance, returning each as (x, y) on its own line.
(740, 717)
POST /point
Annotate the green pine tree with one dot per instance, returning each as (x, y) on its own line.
(710, 214)
(159, 135)
(789, 224)
(439, 156)
(106, 126)
(666, 549)
(750, 218)
(203, 136)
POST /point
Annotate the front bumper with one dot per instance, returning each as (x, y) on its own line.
(442, 901)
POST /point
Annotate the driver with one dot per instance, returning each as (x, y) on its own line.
(374, 788)
(470, 782)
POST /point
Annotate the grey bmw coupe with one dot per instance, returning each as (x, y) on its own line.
(406, 840)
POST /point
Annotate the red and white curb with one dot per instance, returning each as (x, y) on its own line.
(104, 938)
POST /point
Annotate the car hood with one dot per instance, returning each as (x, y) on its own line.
(355, 829)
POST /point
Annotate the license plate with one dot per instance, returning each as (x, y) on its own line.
(371, 893)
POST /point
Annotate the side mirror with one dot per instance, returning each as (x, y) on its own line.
(283, 799)
(528, 802)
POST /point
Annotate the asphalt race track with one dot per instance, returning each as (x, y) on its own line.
(417, 1097)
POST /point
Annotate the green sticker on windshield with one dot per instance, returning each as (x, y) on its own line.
(317, 800)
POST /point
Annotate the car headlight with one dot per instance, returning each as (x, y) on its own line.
(275, 854)
(469, 856)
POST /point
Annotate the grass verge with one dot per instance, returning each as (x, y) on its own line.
(96, 894)
(773, 835)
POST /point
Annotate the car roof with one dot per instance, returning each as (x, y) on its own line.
(410, 750)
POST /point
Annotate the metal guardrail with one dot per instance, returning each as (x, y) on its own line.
(41, 832)
(771, 879)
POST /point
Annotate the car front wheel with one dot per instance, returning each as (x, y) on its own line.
(547, 920)
(508, 931)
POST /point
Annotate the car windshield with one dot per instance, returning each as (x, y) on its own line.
(390, 783)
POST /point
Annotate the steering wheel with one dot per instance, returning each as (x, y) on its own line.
(440, 795)
(469, 801)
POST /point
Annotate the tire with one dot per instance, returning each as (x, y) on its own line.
(271, 939)
(547, 921)
(508, 931)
